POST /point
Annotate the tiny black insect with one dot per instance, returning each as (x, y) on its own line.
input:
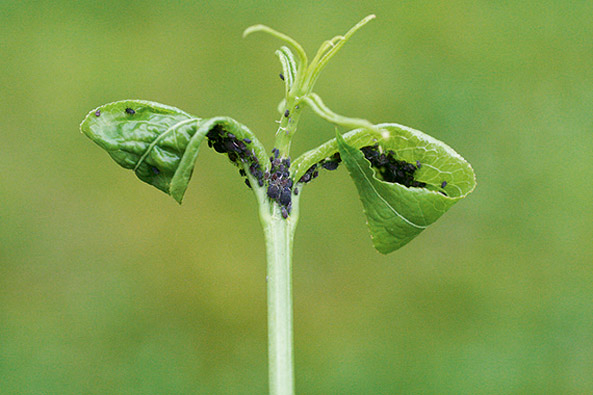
(284, 212)
(286, 113)
(329, 165)
(273, 191)
(443, 184)
(418, 164)
(248, 141)
(130, 111)
(97, 113)
(281, 76)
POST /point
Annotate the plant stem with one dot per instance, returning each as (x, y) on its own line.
(279, 234)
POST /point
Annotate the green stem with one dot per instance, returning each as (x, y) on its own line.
(288, 124)
(279, 234)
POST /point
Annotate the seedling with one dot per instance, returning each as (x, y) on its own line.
(406, 179)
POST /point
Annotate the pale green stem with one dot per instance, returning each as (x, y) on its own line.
(279, 235)
(279, 231)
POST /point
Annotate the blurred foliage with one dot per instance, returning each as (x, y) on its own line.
(108, 287)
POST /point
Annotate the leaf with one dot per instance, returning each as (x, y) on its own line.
(357, 138)
(289, 67)
(397, 213)
(160, 143)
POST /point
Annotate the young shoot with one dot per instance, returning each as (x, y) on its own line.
(405, 179)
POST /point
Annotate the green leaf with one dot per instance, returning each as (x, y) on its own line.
(160, 143)
(357, 138)
(289, 67)
(397, 213)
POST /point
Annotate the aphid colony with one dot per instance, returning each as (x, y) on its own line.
(279, 182)
(280, 185)
(391, 169)
(237, 151)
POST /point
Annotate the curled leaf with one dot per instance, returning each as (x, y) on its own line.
(160, 143)
(397, 213)
(357, 138)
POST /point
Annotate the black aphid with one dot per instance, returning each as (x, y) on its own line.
(97, 113)
(285, 197)
(308, 176)
(273, 191)
(248, 141)
(418, 164)
(443, 184)
(329, 165)
(130, 111)
(247, 182)
(155, 171)
(284, 212)
(287, 113)
(296, 191)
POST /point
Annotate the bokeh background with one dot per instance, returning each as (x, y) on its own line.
(107, 286)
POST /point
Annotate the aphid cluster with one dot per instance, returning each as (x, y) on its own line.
(332, 163)
(279, 182)
(312, 172)
(238, 152)
(391, 169)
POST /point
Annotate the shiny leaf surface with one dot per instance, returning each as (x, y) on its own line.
(160, 143)
(397, 213)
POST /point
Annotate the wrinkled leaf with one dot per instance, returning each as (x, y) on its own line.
(160, 143)
(396, 213)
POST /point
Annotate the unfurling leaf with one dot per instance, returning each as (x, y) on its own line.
(160, 143)
(405, 179)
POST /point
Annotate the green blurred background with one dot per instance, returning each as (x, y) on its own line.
(107, 286)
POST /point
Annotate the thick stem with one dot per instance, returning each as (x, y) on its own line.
(279, 234)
